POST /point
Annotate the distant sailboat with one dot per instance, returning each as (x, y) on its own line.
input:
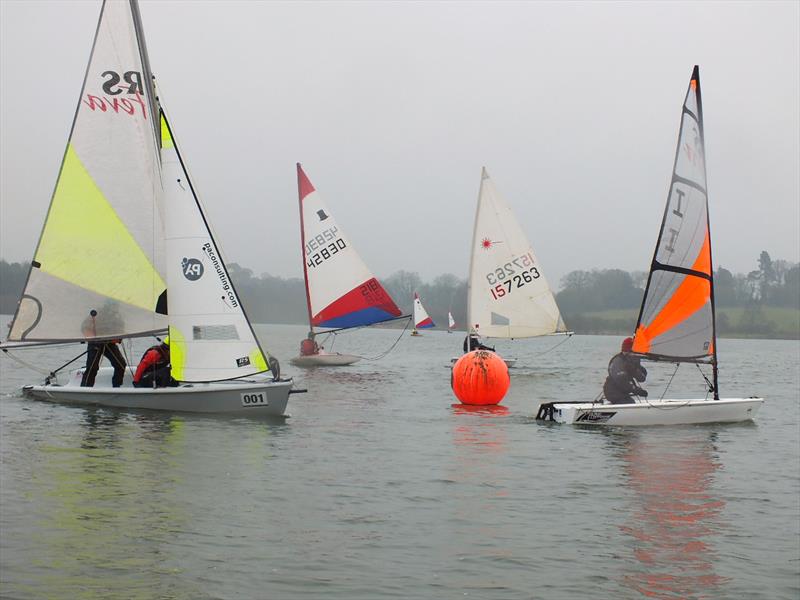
(421, 318)
(451, 322)
(124, 225)
(677, 319)
(341, 292)
(507, 293)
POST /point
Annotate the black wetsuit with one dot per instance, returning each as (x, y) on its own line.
(473, 343)
(625, 372)
(94, 352)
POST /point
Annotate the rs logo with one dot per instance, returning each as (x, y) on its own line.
(192, 269)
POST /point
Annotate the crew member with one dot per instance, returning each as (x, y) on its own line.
(309, 346)
(95, 351)
(154, 368)
(473, 342)
(625, 372)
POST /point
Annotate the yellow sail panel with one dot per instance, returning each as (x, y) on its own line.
(177, 353)
(166, 136)
(85, 243)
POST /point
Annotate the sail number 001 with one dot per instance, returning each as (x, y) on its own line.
(254, 399)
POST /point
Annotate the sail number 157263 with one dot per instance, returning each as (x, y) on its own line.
(514, 282)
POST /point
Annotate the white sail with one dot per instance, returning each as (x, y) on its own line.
(98, 269)
(342, 292)
(508, 295)
(421, 318)
(210, 336)
(451, 322)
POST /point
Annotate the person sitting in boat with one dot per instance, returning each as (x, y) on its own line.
(154, 368)
(473, 342)
(625, 372)
(309, 346)
(95, 351)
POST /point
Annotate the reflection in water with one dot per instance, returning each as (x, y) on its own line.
(108, 507)
(675, 516)
(475, 426)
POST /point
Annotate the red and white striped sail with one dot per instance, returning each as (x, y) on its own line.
(341, 291)
(421, 318)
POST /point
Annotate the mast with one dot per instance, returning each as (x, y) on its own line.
(715, 371)
(472, 251)
(303, 247)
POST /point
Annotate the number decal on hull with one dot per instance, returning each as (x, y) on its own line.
(254, 399)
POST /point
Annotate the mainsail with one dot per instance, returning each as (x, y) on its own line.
(421, 318)
(210, 336)
(98, 269)
(676, 321)
(451, 322)
(508, 295)
(340, 290)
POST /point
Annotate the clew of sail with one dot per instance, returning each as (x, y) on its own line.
(421, 318)
(676, 320)
(98, 269)
(341, 291)
(508, 295)
(210, 336)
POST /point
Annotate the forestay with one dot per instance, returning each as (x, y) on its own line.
(210, 336)
(421, 318)
(98, 269)
(341, 291)
(508, 294)
(676, 320)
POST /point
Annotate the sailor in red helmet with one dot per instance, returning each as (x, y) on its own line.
(625, 373)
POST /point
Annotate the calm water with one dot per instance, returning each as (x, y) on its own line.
(379, 487)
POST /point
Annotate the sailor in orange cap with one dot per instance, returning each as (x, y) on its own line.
(625, 372)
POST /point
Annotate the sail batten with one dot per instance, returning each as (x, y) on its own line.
(676, 319)
(508, 295)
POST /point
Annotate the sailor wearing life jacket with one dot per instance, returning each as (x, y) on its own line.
(625, 372)
(154, 368)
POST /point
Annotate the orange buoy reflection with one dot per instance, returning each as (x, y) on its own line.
(480, 378)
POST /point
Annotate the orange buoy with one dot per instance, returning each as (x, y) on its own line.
(480, 377)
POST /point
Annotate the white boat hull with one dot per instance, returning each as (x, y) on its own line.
(253, 397)
(657, 412)
(324, 360)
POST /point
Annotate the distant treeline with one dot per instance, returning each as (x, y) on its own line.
(762, 303)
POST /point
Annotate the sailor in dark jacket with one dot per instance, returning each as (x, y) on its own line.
(473, 342)
(625, 372)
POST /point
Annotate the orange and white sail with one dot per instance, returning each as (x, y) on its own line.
(676, 320)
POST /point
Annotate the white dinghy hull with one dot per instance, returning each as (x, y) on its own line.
(254, 397)
(324, 360)
(661, 412)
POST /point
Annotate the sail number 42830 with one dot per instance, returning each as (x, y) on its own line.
(513, 282)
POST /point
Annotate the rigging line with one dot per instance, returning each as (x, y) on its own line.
(710, 385)
(566, 339)
(392, 347)
(681, 405)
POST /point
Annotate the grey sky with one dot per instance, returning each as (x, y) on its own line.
(394, 107)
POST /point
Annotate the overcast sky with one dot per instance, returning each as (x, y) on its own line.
(394, 107)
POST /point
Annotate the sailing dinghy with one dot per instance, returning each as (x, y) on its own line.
(341, 292)
(451, 322)
(677, 319)
(507, 293)
(124, 225)
(421, 318)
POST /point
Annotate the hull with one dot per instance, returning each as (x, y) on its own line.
(661, 412)
(324, 360)
(254, 397)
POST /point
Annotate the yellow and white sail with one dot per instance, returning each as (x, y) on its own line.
(508, 295)
(98, 270)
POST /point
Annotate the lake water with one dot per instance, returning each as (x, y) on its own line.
(379, 487)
